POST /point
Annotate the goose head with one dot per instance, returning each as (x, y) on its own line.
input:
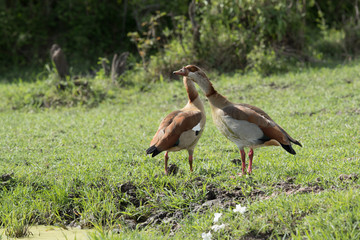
(197, 75)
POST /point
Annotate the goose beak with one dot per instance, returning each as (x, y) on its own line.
(181, 72)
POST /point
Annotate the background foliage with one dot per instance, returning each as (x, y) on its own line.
(264, 35)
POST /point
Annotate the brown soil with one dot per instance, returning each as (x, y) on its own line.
(129, 193)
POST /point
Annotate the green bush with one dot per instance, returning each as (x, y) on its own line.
(49, 91)
(265, 61)
(267, 36)
(352, 37)
(231, 30)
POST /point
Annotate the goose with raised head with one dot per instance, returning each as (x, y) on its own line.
(180, 129)
(243, 124)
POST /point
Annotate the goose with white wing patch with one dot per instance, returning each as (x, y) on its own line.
(243, 124)
(180, 129)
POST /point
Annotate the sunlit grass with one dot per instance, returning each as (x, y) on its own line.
(70, 164)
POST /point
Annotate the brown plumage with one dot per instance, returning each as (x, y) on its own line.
(245, 125)
(180, 129)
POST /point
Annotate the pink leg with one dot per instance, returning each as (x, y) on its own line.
(243, 166)
(251, 154)
(190, 162)
(166, 162)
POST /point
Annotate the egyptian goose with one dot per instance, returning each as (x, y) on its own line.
(243, 124)
(180, 129)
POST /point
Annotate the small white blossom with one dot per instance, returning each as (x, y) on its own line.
(240, 209)
(206, 236)
(217, 216)
(218, 227)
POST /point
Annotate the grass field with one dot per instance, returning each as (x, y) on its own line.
(87, 167)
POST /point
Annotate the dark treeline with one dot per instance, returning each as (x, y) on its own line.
(85, 30)
(265, 35)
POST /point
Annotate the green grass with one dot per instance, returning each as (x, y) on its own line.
(73, 165)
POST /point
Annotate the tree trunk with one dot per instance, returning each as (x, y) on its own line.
(58, 57)
(118, 65)
(195, 27)
(357, 16)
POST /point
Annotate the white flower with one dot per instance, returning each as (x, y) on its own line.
(218, 227)
(206, 236)
(240, 209)
(217, 216)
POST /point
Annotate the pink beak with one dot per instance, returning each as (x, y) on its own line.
(182, 72)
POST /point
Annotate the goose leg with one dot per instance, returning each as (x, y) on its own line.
(166, 163)
(243, 166)
(191, 159)
(190, 162)
(251, 154)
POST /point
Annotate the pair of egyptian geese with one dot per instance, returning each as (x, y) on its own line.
(243, 124)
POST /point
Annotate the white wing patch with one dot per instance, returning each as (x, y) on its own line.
(197, 127)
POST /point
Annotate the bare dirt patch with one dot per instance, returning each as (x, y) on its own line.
(257, 236)
(173, 169)
(236, 161)
(129, 193)
(348, 177)
(289, 187)
(274, 85)
(309, 113)
(7, 176)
